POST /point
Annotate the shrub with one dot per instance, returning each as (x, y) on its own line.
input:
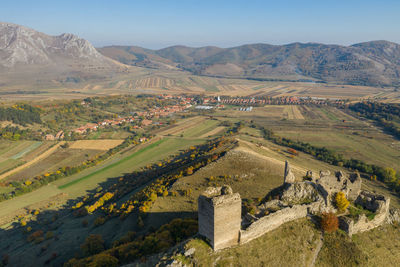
(36, 236)
(329, 222)
(99, 221)
(341, 202)
(49, 235)
(104, 260)
(85, 223)
(93, 244)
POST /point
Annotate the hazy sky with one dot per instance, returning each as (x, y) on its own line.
(160, 23)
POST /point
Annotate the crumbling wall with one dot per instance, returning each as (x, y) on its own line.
(272, 221)
(378, 204)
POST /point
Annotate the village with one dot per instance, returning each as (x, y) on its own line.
(141, 119)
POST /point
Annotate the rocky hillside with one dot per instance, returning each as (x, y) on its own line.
(24, 51)
(371, 63)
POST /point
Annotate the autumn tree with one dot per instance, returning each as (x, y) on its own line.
(341, 201)
(329, 222)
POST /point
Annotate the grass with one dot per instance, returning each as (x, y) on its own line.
(356, 211)
(239, 169)
(200, 129)
(26, 150)
(381, 245)
(9, 164)
(377, 150)
(339, 250)
(290, 245)
(60, 158)
(113, 165)
(330, 115)
(123, 163)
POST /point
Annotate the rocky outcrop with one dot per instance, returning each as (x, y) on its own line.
(393, 216)
(300, 193)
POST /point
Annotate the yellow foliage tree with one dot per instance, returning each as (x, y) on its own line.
(341, 201)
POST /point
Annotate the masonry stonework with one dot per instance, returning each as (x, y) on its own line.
(220, 216)
(221, 223)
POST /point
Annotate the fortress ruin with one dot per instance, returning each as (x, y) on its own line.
(220, 219)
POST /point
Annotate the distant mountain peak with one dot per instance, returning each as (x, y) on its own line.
(20, 45)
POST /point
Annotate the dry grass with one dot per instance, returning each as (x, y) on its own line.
(382, 245)
(33, 161)
(292, 244)
(95, 144)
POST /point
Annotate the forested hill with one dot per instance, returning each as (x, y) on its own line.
(20, 114)
(370, 63)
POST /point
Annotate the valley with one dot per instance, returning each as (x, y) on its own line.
(248, 155)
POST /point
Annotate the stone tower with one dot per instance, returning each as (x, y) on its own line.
(220, 216)
(288, 177)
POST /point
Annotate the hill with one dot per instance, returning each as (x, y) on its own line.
(28, 55)
(371, 63)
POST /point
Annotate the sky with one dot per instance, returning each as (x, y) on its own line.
(225, 23)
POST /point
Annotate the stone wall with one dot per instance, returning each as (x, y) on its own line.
(220, 209)
(272, 221)
(373, 202)
(220, 217)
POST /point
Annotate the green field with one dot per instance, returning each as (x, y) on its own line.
(123, 163)
(113, 165)
(201, 128)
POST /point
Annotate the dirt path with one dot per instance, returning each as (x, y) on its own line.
(317, 249)
(38, 158)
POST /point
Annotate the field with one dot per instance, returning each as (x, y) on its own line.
(95, 144)
(175, 82)
(325, 127)
(17, 153)
(59, 158)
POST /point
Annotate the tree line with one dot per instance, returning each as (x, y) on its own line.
(386, 115)
(20, 114)
(387, 175)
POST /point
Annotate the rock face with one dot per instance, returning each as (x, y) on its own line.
(298, 193)
(21, 45)
(220, 216)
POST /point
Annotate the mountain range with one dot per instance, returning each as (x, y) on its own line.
(370, 63)
(29, 55)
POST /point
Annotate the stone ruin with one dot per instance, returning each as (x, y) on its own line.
(220, 213)
(220, 219)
